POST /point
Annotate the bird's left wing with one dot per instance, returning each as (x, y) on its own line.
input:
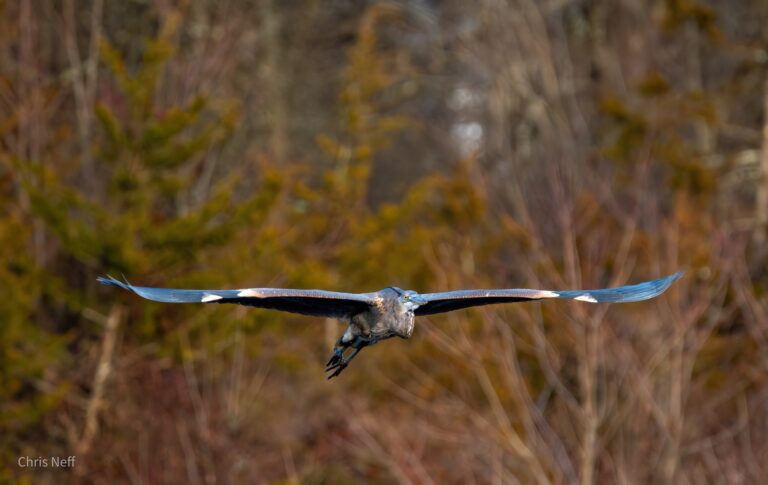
(306, 302)
(455, 300)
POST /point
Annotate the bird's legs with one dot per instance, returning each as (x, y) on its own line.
(338, 361)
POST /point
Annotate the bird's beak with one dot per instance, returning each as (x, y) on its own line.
(419, 300)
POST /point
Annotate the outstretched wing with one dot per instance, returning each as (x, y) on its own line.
(306, 302)
(455, 300)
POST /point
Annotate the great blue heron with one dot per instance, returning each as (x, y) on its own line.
(385, 313)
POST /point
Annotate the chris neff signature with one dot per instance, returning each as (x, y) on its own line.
(52, 462)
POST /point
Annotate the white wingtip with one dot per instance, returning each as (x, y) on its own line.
(208, 297)
(586, 297)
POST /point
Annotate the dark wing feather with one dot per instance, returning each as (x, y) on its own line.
(455, 300)
(449, 304)
(623, 294)
(306, 302)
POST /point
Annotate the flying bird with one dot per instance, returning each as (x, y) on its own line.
(386, 313)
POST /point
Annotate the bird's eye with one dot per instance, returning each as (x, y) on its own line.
(406, 297)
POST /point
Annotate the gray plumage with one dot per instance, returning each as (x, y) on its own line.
(386, 313)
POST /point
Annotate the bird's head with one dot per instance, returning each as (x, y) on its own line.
(410, 300)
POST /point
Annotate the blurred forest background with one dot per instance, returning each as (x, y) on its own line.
(352, 145)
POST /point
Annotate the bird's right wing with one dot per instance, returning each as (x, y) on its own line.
(306, 302)
(455, 300)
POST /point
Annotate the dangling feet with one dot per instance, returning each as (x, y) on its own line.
(338, 362)
(336, 358)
